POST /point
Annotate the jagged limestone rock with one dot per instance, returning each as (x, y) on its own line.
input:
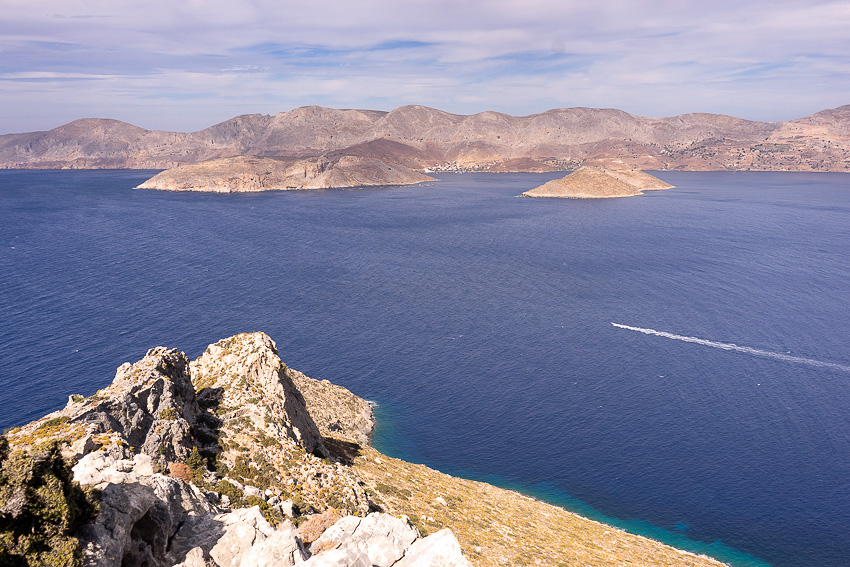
(267, 437)
(149, 408)
(354, 555)
(248, 412)
(254, 385)
(437, 550)
(384, 537)
(242, 538)
(140, 512)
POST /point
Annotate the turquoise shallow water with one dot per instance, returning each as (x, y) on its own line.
(482, 326)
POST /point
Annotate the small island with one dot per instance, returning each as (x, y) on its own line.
(590, 182)
(244, 174)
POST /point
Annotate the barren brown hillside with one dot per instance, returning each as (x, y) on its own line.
(560, 138)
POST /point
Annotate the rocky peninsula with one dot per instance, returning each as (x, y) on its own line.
(590, 182)
(249, 174)
(236, 460)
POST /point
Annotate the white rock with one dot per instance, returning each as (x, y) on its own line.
(280, 549)
(253, 491)
(437, 550)
(353, 555)
(285, 508)
(243, 528)
(385, 537)
(195, 558)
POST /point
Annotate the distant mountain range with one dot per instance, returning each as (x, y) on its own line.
(427, 139)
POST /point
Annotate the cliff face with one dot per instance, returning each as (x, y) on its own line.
(236, 460)
(426, 137)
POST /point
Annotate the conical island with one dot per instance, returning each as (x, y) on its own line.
(591, 182)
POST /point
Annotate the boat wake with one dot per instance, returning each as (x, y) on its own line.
(737, 348)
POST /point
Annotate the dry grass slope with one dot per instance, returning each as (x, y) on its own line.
(498, 527)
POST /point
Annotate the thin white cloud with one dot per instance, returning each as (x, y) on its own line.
(200, 59)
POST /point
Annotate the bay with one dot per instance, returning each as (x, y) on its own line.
(481, 324)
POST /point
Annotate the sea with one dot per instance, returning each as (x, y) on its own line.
(675, 364)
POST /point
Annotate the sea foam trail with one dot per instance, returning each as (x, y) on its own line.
(732, 346)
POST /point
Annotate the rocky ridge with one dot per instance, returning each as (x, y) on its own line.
(419, 137)
(590, 182)
(250, 174)
(236, 460)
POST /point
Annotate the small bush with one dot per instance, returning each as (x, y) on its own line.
(402, 493)
(41, 508)
(195, 461)
(54, 422)
(229, 490)
(169, 414)
(180, 470)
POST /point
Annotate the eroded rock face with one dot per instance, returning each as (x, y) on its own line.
(149, 408)
(248, 372)
(268, 436)
(140, 512)
(251, 422)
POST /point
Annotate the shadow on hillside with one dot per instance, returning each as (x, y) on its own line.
(343, 452)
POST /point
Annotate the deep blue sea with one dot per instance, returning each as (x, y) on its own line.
(717, 417)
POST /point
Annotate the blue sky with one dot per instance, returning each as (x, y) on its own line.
(187, 64)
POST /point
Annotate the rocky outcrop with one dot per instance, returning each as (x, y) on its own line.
(246, 380)
(251, 174)
(150, 520)
(381, 537)
(149, 408)
(267, 437)
(599, 183)
(338, 413)
(244, 455)
(140, 512)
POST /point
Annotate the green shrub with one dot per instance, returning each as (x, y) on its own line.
(402, 493)
(41, 508)
(195, 461)
(54, 422)
(169, 414)
(229, 490)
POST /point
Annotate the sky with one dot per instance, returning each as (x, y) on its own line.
(184, 65)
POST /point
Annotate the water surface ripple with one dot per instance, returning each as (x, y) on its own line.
(481, 324)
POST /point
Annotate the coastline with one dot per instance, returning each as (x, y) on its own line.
(549, 496)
